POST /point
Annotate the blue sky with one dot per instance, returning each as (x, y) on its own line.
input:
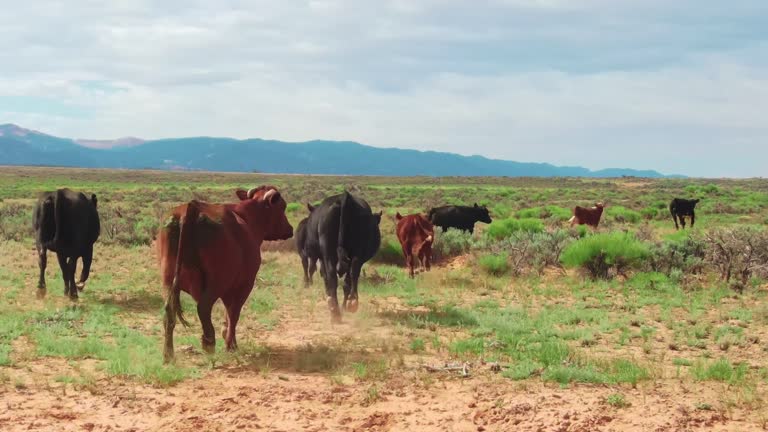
(681, 87)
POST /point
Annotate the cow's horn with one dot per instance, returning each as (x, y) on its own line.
(270, 193)
(251, 192)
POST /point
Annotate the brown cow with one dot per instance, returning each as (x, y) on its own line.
(416, 234)
(213, 251)
(587, 216)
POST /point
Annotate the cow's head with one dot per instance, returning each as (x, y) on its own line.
(600, 205)
(482, 215)
(696, 201)
(276, 225)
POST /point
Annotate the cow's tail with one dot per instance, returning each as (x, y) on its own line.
(58, 217)
(185, 240)
(343, 260)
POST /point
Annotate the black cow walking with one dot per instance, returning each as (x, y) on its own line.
(66, 222)
(682, 207)
(343, 233)
(460, 217)
(308, 262)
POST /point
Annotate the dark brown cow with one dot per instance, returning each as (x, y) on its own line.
(213, 251)
(587, 216)
(416, 234)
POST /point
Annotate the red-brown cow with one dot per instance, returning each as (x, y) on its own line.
(587, 216)
(416, 234)
(213, 251)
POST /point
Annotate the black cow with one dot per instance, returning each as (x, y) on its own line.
(680, 208)
(308, 263)
(343, 233)
(461, 217)
(66, 222)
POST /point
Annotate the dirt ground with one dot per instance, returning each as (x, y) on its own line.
(279, 398)
(234, 400)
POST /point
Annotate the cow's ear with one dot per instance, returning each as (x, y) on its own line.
(476, 205)
(273, 197)
(398, 216)
(310, 207)
(94, 200)
(243, 195)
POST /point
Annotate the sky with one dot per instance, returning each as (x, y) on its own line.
(677, 86)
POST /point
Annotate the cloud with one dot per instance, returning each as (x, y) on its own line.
(644, 84)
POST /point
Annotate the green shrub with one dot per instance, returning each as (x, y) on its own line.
(547, 212)
(680, 252)
(504, 228)
(600, 253)
(623, 214)
(292, 207)
(390, 252)
(495, 264)
(451, 243)
(649, 213)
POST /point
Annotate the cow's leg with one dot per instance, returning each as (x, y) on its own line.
(233, 305)
(347, 290)
(693, 218)
(352, 305)
(87, 260)
(72, 263)
(305, 266)
(204, 308)
(682, 221)
(331, 285)
(407, 253)
(312, 268)
(42, 261)
(64, 266)
(169, 320)
(674, 218)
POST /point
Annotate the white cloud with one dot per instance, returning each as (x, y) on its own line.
(595, 83)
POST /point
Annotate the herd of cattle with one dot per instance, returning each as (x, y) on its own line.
(213, 251)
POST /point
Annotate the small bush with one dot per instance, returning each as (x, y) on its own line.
(451, 243)
(600, 253)
(679, 253)
(390, 252)
(649, 213)
(501, 229)
(548, 212)
(496, 265)
(622, 214)
(292, 207)
(739, 253)
(617, 400)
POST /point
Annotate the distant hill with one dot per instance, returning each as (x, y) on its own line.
(20, 146)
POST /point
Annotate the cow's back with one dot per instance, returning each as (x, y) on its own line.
(67, 221)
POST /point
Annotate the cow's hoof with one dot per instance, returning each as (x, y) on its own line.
(80, 286)
(351, 306)
(208, 346)
(168, 358)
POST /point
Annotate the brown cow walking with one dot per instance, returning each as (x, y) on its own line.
(213, 251)
(416, 235)
(587, 216)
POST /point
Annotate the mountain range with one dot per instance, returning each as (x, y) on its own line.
(20, 146)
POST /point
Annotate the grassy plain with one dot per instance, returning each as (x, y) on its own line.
(544, 345)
